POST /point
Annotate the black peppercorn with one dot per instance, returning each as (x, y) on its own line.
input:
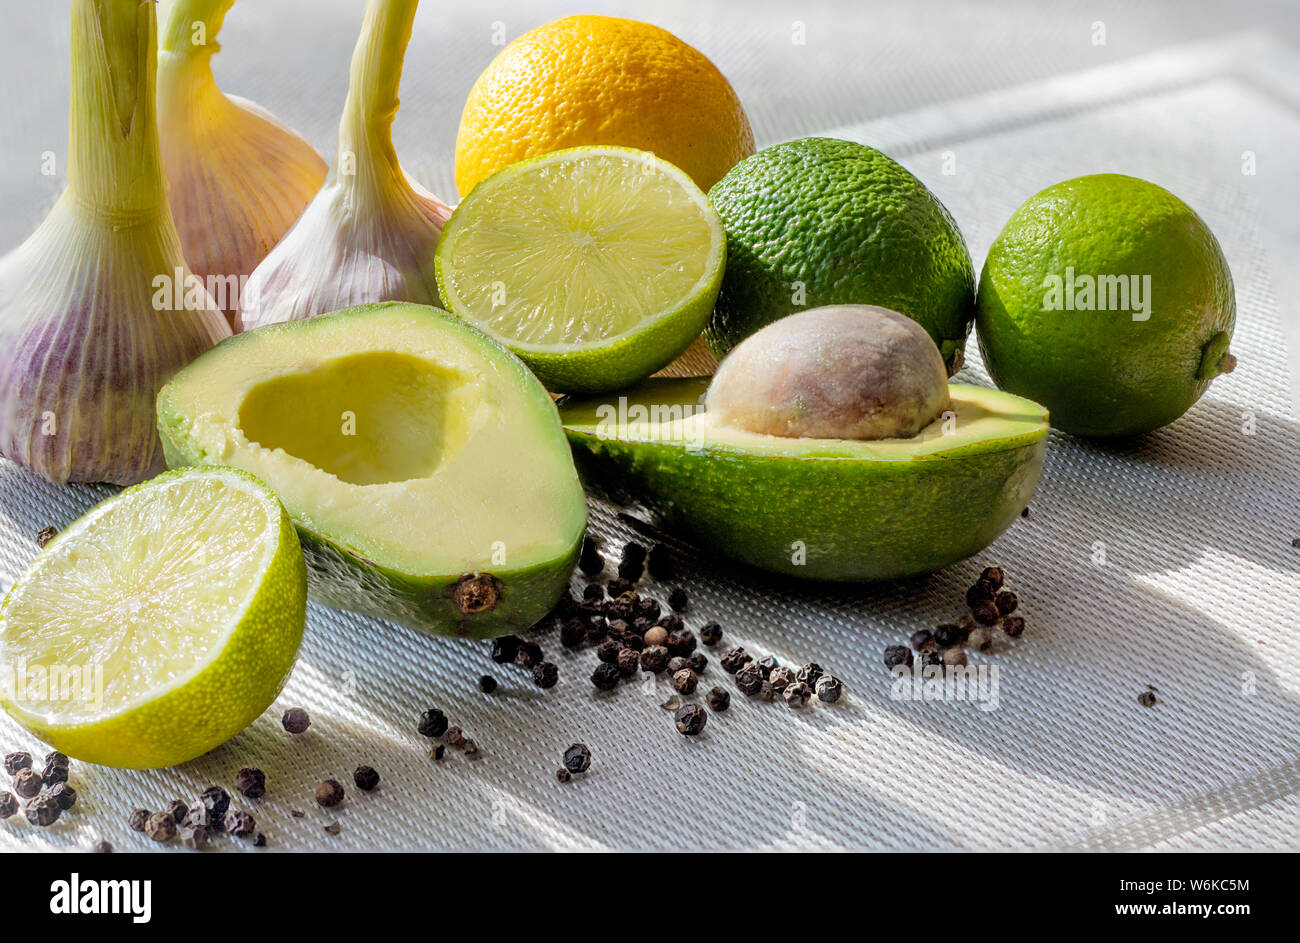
(920, 639)
(251, 782)
(677, 663)
(295, 720)
(529, 655)
(734, 660)
(259, 841)
(948, 636)
(8, 804)
(27, 783)
(178, 809)
(685, 681)
(605, 677)
(56, 758)
(100, 847)
(797, 694)
(365, 777)
(487, 684)
(593, 592)
(781, 678)
(690, 719)
(750, 678)
(239, 823)
(766, 665)
(194, 837)
(137, 819)
(829, 689)
(546, 675)
(433, 723)
(437, 751)
(617, 587)
(672, 622)
(160, 826)
(1147, 699)
(711, 634)
(896, 655)
(629, 659)
(573, 632)
(654, 659)
(1013, 626)
(677, 599)
(505, 648)
(697, 662)
(718, 699)
(563, 775)
(633, 551)
(1006, 601)
(766, 692)
(631, 570)
(577, 759)
(648, 609)
(16, 761)
(54, 773)
(992, 576)
(809, 674)
(954, 656)
(979, 594)
(986, 613)
(607, 651)
(660, 563)
(590, 561)
(934, 657)
(216, 800)
(329, 792)
(42, 811)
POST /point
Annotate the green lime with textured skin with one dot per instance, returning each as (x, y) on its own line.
(1107, 299)
(170, 614)
(596, 265)
(423, 464)
(820, 221)
(824, 509)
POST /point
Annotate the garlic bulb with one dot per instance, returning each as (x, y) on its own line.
(239, 177)
(97, 309)
(370, 233)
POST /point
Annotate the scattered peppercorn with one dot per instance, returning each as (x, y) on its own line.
(933, 658)
(1025, 512)
(829, 689)
(986, 613)
(365, 777)
(42, 811)
(259, 841)
(634, 551)
(678, 599)
(577, 759)
(194, 837)
(593, 592)
(672, 622)
(605, 677)
(766, 692)
(797, 694)
(455, 737)
(178, 809)
(648, 609)
(980, 639)
(17, 761)
(329, 793)
(8, 804)
(27, 783)
(1147, 699)
(590, 560)
(631, 570)
(691, 719)
(617, 587)
(546, 675)
(677, 663)
(333, 828)
(251, 782)
(955, 657)
(1006, 601)
(718, 699)
(896, 655)
(57, 759)
(992, 575)
(978, 594)
(433, 723)
(437, 751)
(655, 635)
(697, 662)
(780, 678)
(487, 684)
(295, 720)
(660, 563)
(100, 847)
(160, 826)
(44, 536)
(921, 639)
(948, 636)
(607, 651)
(63, 795)
(54, 773)
(734, 660)
(750, 678)
(573, 632)
(505, 648)
(530, 655)
(685, 681)
(809, 674)
(239, 823)
(138, 818)
(216, 800)
(627, 661)
(711, 634)
(563, 775)
(654, 659)
(1013, 626)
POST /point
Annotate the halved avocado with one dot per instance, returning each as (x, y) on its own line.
(422, 463)
(827, 509)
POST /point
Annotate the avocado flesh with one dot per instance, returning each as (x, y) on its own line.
(395, 435)
(850, 510)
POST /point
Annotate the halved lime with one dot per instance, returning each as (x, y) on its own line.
(158, 625)
(596, 265)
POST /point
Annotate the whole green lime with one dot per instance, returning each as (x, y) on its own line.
(1108, 300)
(819, 221)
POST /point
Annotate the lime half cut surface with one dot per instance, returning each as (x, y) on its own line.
(159, 624)
(597, 266)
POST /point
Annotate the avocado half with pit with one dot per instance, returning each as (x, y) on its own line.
(423, 464)
(817, 508)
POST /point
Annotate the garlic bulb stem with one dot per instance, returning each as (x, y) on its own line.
(372, 103)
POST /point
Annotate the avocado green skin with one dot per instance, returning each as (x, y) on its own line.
(859, 521)
(344, 579)
(851, 225)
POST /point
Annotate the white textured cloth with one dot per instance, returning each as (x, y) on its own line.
(1199, 595)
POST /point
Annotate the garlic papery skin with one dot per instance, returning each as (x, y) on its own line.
(370, 233)
(97, 309)
(239, 176)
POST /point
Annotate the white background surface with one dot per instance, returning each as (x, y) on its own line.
(1200, 597)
